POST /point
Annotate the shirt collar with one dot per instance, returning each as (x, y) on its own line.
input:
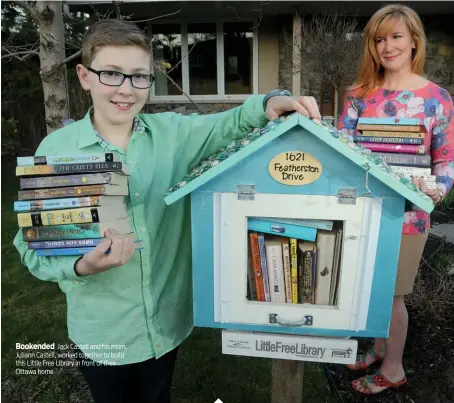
(88, 135)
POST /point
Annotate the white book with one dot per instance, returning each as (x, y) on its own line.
(275, 270)
(325, 261)
(412, 170)
(287, 273)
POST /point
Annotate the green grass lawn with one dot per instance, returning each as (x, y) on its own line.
(35, 311)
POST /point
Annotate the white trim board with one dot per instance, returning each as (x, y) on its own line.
(235, 307)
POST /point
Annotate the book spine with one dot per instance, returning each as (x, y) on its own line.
(56, 204)
(255, 251)
(66, 180)
(287, 271)
(390, 121)
(392, 140)
(406, 159)
(251, 276)
(65, 159)
(67, 243)
(63, 251)
(266, 282)
(300, 261)
(74, 251)
(281, 229)
(391, 135)
(412, 170)
(58, 217)
(64, 169)
(391, 130)
(60, 232)
(317, 224)
(394, 148)
(307, 276)
(93, 190)
(294, 269)
(275, 272)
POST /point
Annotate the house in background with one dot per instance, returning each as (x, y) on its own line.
(220, 52)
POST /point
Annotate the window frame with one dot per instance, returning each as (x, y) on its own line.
(221, 96)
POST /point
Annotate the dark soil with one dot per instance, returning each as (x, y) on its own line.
(429, 353)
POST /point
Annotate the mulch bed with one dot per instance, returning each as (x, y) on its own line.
(428, 356)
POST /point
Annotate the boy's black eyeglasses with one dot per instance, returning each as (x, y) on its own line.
(115, 78)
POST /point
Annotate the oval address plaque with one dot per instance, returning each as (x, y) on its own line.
(295, 168)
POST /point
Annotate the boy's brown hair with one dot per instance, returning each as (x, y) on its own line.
(112, 32)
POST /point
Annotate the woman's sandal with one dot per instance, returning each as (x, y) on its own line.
(360, 364)
(363, 384)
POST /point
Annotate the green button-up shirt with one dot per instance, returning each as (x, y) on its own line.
(146, 304)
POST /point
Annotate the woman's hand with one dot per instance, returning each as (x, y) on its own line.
(435, 194)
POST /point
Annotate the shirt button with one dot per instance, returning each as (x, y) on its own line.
(158, 345)
(137, 194)
(142, 230)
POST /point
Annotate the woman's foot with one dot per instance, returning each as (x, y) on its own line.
(377, 383)
(365, 360)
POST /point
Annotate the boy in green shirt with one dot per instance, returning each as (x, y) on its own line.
(132, 310)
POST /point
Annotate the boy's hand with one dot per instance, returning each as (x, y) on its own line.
(278, 105)
(98, 261)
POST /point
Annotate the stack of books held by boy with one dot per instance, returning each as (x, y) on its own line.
(67, 202)
(293, 261)
(400, 143)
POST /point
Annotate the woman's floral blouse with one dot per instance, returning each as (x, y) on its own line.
(434, 106)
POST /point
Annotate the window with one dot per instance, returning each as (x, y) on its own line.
(238, 56)
(166, 47)
(208, 60)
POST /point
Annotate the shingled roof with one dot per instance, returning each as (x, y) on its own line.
(340, 140)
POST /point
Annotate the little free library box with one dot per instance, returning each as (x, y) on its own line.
(296, 231)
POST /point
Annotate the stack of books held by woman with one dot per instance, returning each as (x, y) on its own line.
(67, 202)
(400, 143)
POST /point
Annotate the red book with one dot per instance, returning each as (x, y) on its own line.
(394, 148)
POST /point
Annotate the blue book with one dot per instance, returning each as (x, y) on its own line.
(319, 224)
(282, 229)
(65, 243)
(390, 121)
(388, 140)
(73, 251)
(264, 265)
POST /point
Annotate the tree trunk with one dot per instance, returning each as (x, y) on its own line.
(336, 105)
(49, 17)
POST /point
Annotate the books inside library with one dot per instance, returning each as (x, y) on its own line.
(293, 261)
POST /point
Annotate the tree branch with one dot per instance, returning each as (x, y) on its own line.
(116, 5)
(179, 88)
(16, 54)
(161, 16)
(70, 58)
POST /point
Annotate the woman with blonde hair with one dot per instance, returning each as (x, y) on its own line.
(390, 83)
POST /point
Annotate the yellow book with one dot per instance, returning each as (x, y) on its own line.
(72, 216)
(294, 269)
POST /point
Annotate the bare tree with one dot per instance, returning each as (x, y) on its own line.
(48, 17)
(329, 48)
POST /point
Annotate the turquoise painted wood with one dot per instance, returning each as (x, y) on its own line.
(390, 121)
(338, 171)
(346, 149)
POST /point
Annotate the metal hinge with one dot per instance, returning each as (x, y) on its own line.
(347, 195)
(245, 192)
